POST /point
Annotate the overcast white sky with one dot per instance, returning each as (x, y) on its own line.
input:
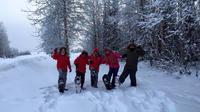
(19, 30)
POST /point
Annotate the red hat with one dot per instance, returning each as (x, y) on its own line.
(96, 50)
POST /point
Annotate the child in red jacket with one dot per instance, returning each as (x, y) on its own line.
(63, 64)
(80, 63)
(112, 60)
(95, 61)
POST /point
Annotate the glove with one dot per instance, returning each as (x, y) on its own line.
(140, 51)
(90, 62)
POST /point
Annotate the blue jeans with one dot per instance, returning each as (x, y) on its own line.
(82, 75)
(112, 74)
(62, 76)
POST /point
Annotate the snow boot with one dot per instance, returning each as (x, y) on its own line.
(117, 82)
(61, 86)
(77, 82)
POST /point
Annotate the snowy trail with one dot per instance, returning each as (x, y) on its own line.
(100, 100)
(28, 84)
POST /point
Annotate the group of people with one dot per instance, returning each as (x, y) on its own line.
(94, 60)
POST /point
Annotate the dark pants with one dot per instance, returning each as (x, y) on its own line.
(82, 75)
(62, 77)
(112, 74)
(94, 78)
(132, 75)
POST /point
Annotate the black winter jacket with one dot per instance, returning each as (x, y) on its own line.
(132, 57)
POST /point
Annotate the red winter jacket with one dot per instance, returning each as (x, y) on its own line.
(81, 63)
(112, 59)
(63, 61)
(96, 61)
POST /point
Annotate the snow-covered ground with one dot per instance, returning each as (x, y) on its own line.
(28, 84)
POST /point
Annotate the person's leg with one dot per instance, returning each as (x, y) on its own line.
(95, 79)
(115, 71)
(61, 80)
(92, 77)
(82, 79)
(110, 73)
(65, 77)
(133, 77)
(78, 74)
(78, 77)
(124, 75)
(61, 76)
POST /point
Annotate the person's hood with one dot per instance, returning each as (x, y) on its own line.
(95, 50)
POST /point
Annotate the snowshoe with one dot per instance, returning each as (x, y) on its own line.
(94, 78)
(77, 82)
(106, 82)
(61, 86)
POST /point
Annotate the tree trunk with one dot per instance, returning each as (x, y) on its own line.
(65, 25)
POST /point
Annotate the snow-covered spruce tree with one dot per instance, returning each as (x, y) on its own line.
(131, 13)
(56, 20)
(4, 43)
(128, 21)
(157, 26)
(188, 42)
(111, 31)
(51, 36)
(92, 25)
(197, 3)
(170, 29)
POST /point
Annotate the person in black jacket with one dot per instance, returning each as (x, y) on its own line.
(132, 54)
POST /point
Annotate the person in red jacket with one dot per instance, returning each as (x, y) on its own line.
(81, 63)
(95, 61)
(112, 59)
(63, 64)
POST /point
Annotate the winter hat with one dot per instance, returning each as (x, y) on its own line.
(63, 48)
(132, 44)
(84, 53)
(96, 50)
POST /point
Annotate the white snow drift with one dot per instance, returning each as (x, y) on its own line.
(28, 84)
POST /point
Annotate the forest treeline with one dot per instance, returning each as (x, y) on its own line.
(168, 30)
(5, 50)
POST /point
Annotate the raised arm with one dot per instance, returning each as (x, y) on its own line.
(55, 54)
(140, 51)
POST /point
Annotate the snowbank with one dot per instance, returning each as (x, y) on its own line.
(125, 100)
(28, 84)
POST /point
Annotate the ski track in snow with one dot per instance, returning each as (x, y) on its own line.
(35, 77)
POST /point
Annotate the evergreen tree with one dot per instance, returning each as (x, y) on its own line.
(4, 43)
